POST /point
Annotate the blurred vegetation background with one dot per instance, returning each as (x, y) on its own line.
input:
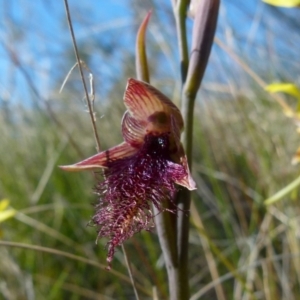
(243, 146)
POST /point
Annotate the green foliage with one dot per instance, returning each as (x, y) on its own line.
(241, 157)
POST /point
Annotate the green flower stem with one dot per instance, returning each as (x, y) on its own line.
(180, 271)
(183, 200)
(183, 197)
(193, 71)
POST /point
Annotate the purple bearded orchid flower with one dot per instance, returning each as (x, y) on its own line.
(141, 171)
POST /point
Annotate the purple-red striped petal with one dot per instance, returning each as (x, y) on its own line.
(147, 104)
(101, 159)
(133, 130)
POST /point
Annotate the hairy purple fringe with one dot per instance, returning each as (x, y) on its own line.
(129, 188)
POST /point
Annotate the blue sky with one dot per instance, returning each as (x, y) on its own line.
(36, 33)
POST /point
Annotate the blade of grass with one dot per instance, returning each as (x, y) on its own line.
(74, 257)
(130, 273)
(283, 192)
(222, 257)
(82, 76)
(47, 172)
(212, 265)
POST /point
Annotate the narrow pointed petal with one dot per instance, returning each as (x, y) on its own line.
(206, 15)
(180, 164)
(101, 159)
(144, 102)
(187, 181)
(181, 174)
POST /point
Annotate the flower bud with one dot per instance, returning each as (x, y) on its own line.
(206, 14)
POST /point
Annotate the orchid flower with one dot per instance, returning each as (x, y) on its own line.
(142, 170)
